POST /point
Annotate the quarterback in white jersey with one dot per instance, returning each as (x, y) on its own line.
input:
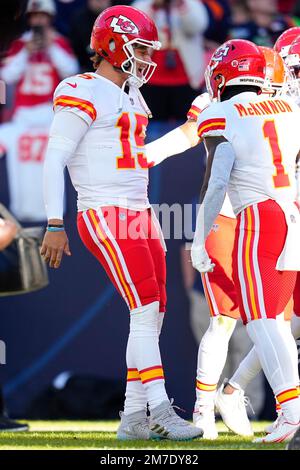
(108, 166)
(253, 144)
(98, 133)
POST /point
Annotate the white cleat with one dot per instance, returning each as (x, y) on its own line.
(134, 426)
(232, 409)
(283, 432)
(271, 427)
(168, 425)
(205, 420)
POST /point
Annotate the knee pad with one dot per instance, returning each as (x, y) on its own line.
(145, 318)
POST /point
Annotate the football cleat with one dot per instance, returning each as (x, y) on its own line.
(9, 425)
(134, 426)
(271, 427)
(232, 409)
(168, 425)
(283, 432)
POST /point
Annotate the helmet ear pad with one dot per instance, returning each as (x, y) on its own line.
(220, 81)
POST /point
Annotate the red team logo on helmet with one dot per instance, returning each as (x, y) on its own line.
(123, 25)
(236, 62)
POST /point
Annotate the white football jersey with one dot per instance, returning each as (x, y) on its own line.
(264, 133)
(198, 105)
(109, 166)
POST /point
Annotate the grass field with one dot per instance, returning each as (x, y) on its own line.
(101, 435)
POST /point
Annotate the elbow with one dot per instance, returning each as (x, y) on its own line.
(218, 185)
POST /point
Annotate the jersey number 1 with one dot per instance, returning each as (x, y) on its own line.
(127, 160)
(281, 179)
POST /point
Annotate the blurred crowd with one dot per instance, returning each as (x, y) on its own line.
(56, 36)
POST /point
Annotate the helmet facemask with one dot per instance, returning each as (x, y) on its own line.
(140, 71)
(292, 62)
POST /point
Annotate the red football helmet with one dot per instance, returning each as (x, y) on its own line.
(285, 40)
(236, 62)
(117, 31)
(293, 65)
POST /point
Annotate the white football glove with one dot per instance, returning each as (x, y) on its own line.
(200, 259)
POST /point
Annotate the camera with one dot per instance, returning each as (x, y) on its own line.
(38, 32)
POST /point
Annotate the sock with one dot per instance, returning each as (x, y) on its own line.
(295, 326)
(278, 407)
(144, 347)
(246, 371)
(135, 395)
(292, 347)
(212, 355)
(277, 363)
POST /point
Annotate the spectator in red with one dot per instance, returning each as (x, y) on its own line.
(40, 59)
(180, 62)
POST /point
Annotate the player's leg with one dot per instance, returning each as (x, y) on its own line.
(250, 367)
(108, 240)
(114, 236)
(163, 417)
(295, 320)
(263, 294)
(213, 348)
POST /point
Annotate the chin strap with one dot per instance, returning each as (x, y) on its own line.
(136, 91)
(121, 99)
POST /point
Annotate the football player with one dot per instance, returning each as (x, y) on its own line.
(98, 133)
(252, 144)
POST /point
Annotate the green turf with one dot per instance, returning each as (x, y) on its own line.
(101, 435)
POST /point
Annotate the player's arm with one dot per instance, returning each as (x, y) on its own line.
(298, 179)
(220, 162)
(65, 134)
(179, 139)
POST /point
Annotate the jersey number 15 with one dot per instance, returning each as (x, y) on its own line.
(127, 160)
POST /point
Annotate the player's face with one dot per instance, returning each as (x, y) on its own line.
(144, 54)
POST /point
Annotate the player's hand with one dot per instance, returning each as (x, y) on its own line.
(200, 259)
(54, 245)
(8, 231)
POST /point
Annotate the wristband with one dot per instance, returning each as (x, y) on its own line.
(55, 228)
